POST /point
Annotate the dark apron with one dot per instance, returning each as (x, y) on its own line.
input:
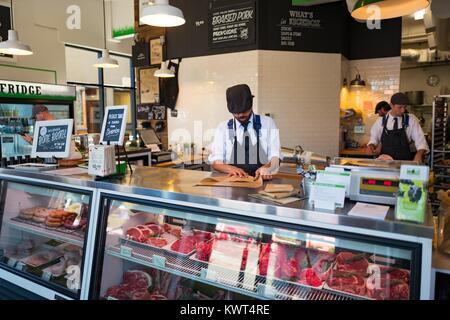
(247, 156)
(395, 143)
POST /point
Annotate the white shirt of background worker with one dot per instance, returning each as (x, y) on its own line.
(413, 131)
(41, 113)
(229, 137)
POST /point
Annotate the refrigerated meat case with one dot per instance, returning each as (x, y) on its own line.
(43, 236)
(153, 235)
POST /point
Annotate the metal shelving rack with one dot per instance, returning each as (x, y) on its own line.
(440, 151)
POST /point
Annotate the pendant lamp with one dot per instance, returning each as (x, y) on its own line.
(164, 72)
(162, 14)
(357, 82)
(388, 8)
(105, 61)
(13, 46)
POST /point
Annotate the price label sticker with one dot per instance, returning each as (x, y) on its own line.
(126, 251)
(20, 266)
(12, 262)
(111, 298)
(46, 275)
(208, 274)
(159, 261)
(266, 291)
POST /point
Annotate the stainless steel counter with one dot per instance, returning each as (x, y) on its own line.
(178, 186)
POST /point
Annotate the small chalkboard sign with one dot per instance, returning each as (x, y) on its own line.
(114, 125)
(52, 138)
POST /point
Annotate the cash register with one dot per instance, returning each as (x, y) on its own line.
(152, 141)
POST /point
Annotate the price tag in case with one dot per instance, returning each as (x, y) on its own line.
(126, 251)
(159, 261)
(46, 275)
(266, 291)
(12, 262)
(208, 274)
(20, 266)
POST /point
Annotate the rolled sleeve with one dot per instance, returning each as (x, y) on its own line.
(274, 146)
(375, 133)
(417, 135)
(218, 148)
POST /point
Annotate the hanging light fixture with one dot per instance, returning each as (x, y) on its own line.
(13, 46)
(164, 72)
(388, 8)
(357, 82)
(105, 61)
(162, 14)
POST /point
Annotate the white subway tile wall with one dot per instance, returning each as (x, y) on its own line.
(382, 77)
(202, 101)
(301, 90)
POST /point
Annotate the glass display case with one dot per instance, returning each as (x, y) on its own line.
(151, 251)
(43, 234)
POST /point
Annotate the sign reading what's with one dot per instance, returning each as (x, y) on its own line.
(28, 90)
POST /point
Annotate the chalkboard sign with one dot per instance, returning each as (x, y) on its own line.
(144, 112)
(114, 125)
(232, 23)
(52, 138)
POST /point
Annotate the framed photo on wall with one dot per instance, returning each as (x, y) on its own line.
(156, 52)
(148, 86)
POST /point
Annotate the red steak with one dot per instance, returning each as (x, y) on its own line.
(135, 234)
(348, 261)
(394, 273)
(309, 277)
(184, 245)
(203, 250)
(389, 290)
(264, 259)
(157, 242)
(345, 281)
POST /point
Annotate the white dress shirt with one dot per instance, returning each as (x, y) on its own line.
(413, 131)
(222, 146)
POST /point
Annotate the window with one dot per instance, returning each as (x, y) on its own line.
(98, 88)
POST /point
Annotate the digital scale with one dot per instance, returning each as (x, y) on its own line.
(372, 181)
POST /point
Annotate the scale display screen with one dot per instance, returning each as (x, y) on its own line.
(379, 187)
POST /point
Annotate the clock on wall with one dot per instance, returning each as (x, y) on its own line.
(433, 80)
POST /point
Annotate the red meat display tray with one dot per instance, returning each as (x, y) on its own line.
(168, 247)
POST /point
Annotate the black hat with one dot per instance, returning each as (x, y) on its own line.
(239, 98)
(382, 105)
(400, 99)
(38, 108)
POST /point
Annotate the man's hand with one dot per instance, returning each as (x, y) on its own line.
(264, 172)
(235, 171)
(371, 149)
(28, 138)
(419, 156)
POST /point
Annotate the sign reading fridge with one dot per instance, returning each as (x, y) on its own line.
(232, 23)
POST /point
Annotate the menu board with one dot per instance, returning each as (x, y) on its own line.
(52, 138)
(232, 23)
(114, 125)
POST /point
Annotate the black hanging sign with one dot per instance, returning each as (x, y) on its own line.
(232, 23)
(114, 125)
(52, 138)
(141, 54)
